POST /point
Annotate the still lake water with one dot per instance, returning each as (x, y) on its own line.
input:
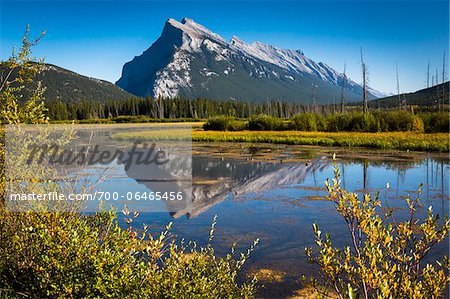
(278, 201)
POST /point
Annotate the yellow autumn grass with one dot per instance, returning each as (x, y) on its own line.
(383, 140)
(435, 142)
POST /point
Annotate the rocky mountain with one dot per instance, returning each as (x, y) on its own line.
(192, 61)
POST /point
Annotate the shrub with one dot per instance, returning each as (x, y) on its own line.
(304, 122)
(386, 258)
(224, 123)
(377, 121)
(360, 122)
(335, 122)
(20, 69)
(417, 124)
(263, 122)
(435, 122)
(399, 120)
(322, 122)
(237, 125)
(69, 255)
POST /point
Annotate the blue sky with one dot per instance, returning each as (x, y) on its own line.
(97, 38)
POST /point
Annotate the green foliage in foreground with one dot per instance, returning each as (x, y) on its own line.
(386, 257)
(14, 108)
(68, 255)
(377, 121)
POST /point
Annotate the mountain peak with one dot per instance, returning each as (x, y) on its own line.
(173, 23)
(194, 30)
(187, 20)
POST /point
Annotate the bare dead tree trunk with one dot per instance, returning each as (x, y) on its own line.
(161, 107)
(437, 91)
(428, 74)
(398, 88)
(313, 99)
(116, 108)
(443, 69)
(158, 108)
(191, 111)
(443, 98)
(365, 107)
(343, 89)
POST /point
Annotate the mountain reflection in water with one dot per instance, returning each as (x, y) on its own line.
(227, 179)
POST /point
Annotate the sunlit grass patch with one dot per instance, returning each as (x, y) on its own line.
(385, 140)
(268, 275)
(176, 134)
(314, 198)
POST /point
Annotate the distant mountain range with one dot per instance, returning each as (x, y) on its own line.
(190, 60)
(423, 97)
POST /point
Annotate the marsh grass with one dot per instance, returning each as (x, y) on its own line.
(434, 142)
(437, 142)
(156, 135)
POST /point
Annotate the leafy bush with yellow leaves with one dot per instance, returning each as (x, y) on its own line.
(386, 258)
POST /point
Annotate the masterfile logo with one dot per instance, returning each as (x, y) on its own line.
(66, 167)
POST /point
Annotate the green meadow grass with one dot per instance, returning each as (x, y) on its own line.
(438, 142)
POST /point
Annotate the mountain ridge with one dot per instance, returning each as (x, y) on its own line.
(68, 86)
(190, 60)
(423, 97)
